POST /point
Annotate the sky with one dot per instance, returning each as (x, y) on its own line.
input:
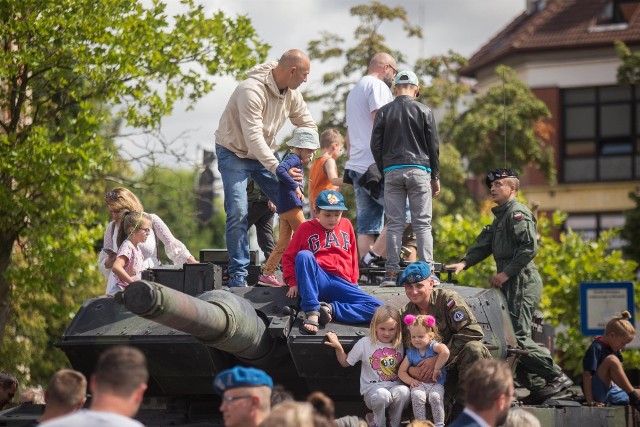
(460, 25)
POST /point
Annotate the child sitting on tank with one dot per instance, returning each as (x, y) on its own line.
(321, 266)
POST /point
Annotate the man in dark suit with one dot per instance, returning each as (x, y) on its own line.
(489, 390)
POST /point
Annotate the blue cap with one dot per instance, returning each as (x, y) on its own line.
(406, 77)
(240, 376)
(330, 200)
(415, 272)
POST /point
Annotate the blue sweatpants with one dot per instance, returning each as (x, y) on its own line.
(350, 304)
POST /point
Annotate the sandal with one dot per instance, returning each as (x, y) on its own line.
(309, 322)
(326, 313)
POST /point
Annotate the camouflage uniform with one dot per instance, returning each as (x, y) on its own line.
(459, 330)
(512, 239)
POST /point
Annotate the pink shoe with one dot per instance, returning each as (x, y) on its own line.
(270, 281)
(369, 419)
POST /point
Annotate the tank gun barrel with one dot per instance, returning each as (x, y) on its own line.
(217, 318)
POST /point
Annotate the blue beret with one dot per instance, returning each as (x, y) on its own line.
(240, 376)
(415, 272)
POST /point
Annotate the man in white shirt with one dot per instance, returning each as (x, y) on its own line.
(117, 387)
(363, 102)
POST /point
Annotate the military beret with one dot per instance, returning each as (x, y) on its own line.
(499, 174)
(415, 272)
(240, 376)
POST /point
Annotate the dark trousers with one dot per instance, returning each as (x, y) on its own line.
(262, 217)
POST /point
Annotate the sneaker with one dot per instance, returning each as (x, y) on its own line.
(634, 400)
(237, 282)
(370, 420)
(562, 381)
(374, 260)
(390, 280)
(270, 281)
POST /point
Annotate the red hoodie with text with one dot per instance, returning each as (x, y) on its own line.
(334, 250)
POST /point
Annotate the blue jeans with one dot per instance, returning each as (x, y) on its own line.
(350, 304)
(414, 184)
(369, 211)
(235, 173)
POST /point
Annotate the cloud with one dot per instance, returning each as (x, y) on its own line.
(460, 25)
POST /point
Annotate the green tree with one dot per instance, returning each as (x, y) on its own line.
(631, 230)
(563, 263)
(505, 124)
(170, 194)
(63, 69)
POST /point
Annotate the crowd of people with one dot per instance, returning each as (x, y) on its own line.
(430, 352)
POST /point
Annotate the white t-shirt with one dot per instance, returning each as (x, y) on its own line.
(85, 418)
(380, 363)
(368, 95)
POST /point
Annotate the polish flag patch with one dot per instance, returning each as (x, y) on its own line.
(517, 215)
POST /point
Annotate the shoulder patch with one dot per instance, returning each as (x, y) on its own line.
(458, 316)
(450, 304)
(518, 215)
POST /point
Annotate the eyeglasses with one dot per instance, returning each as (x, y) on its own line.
(112, 196)
(229, 399)
(145, 230)
(394, 70)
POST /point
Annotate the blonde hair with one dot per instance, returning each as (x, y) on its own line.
(330, 136)
(290, 414)
(382, 314)
(619, 325)
(421, 323)
(130, 222)
(121, 198)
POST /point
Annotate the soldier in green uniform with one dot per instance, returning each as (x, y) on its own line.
(512, 239)
(456, 323)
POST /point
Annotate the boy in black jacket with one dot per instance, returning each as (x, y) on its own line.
(405, 144)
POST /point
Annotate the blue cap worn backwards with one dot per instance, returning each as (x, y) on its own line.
(240, 376)
(330, 200)
(415, 272)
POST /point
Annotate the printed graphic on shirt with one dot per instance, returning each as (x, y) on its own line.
(332, 239)
(385, 361)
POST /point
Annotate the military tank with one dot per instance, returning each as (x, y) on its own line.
(189, 333)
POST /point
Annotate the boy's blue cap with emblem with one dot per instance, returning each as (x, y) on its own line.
(240, 376)
(330, 200)
(415, 272)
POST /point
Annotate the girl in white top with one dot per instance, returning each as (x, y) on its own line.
(121, 200)
(381, 354)
(128, 265)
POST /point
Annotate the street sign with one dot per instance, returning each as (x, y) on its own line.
(600, 301)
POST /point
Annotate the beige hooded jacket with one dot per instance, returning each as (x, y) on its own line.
(256, 112)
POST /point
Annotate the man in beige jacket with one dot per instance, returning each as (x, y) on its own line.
(246, 141)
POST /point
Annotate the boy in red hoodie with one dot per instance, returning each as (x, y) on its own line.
(321, 265)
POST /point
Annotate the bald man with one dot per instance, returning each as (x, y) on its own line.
(363, 102)
(246, 141)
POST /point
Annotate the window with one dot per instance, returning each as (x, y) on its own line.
(601, 134)
(591, 225)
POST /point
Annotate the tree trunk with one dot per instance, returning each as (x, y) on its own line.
(6, 246)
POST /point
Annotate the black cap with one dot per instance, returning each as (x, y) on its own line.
(499, 174)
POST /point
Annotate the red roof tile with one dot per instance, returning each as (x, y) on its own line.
(562, 24)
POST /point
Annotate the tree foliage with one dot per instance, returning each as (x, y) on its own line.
(64, 67)
(631, 229)
(505, 124)
(170, 195)
(563, 263)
